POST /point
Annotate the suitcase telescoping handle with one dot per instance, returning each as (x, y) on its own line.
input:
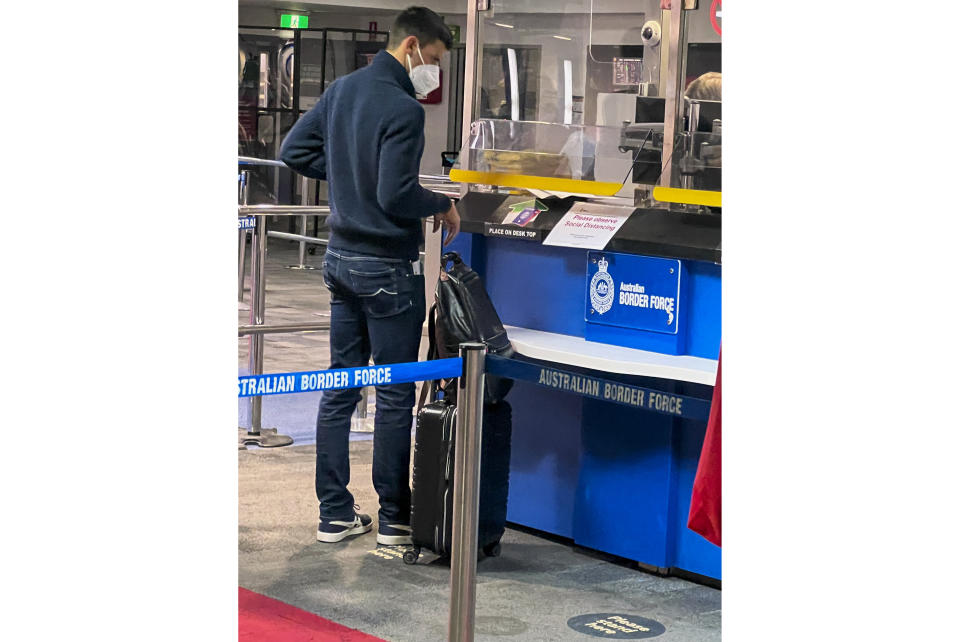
(429, 388)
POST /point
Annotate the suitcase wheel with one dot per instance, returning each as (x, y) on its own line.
(411, 556)
(492, 550)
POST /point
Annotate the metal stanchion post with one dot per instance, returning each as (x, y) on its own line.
(304, 200)
(466, 495)
(244, 198)
(360, 422)
(243, 261)
(362, 404)
(256, 318)
(265, 438)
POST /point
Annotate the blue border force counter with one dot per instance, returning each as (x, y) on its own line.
(618, 335)
(608, 476)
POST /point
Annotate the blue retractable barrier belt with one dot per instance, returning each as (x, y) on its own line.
(603, 389)
(285, 383)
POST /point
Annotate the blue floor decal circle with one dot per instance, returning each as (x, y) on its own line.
(616, 626)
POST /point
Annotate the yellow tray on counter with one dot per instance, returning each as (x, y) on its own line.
(687, 196)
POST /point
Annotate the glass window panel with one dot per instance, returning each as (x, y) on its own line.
(592, 160)
(703, 50)
(266, 68)
(566, 53)
(260, 135)
(347, 52)
(311, 68)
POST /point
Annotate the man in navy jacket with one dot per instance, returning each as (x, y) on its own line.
(365, 138)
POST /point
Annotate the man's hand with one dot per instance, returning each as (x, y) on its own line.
(451, 223)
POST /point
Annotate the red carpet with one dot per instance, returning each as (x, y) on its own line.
(263, 619)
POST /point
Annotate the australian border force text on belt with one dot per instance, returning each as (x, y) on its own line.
(285, 383)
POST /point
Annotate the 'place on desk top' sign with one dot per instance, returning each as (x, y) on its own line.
(639, 292)
(498, 230)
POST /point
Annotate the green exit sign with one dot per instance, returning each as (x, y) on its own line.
(290, 21)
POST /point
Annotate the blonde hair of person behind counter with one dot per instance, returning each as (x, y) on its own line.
(706, 87)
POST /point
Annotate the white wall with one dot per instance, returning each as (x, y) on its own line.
(699, 28)
(540, 30)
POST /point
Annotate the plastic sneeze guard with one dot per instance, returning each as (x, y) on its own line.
(545, 156)
(696, 169)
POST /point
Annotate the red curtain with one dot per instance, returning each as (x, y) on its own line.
(705, 502)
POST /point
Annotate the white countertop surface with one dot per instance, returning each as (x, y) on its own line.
(575, 351)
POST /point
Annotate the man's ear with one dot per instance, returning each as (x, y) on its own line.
(409, 44)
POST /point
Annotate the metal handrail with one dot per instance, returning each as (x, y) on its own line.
(256, 329)
(250, 160)
(437, 178)
(268, 209)
(440, 184)
(300, 238)
(244, 330)
(305, 239)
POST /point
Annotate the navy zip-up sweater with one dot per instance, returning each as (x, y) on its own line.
(365, 138)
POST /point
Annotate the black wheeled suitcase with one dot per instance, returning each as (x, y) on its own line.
(433, 456)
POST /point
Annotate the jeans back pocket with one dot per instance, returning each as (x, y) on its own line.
(383, 291)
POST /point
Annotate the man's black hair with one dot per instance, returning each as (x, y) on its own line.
(423, 23)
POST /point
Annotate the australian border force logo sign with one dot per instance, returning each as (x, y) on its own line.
(602, 288)
(633, 291)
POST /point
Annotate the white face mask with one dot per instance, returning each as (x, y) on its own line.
(425, 78)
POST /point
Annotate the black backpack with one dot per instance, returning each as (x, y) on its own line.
(463, 313)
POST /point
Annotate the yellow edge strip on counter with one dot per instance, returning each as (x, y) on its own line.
(535, 182)
(686, 196)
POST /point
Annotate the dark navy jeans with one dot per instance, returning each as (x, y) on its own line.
(377, 309)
